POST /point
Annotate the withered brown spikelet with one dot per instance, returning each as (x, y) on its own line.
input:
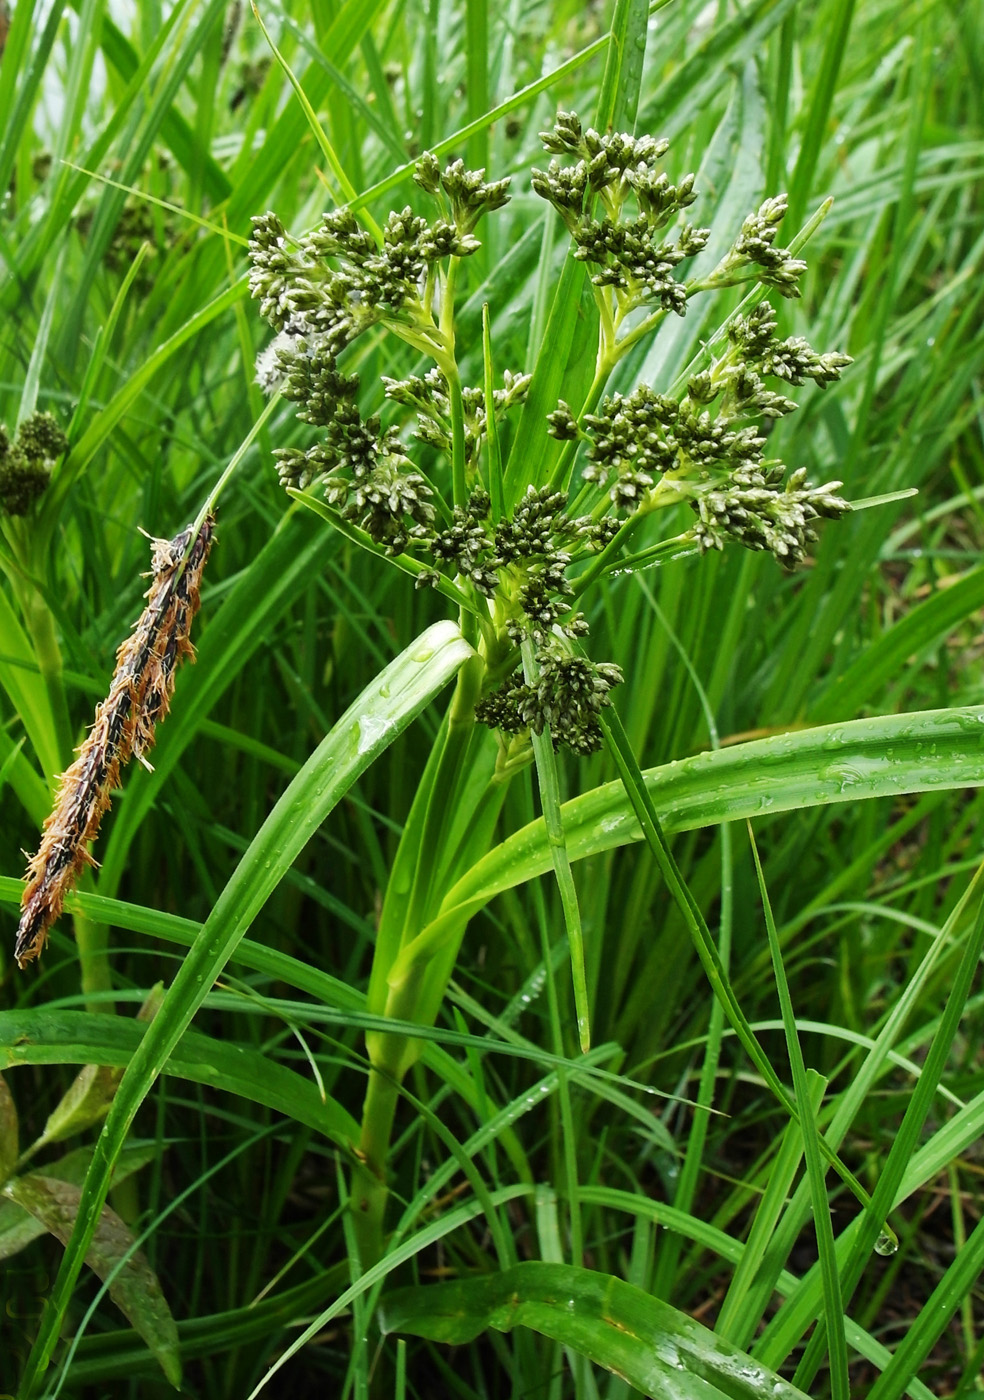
(138, 699)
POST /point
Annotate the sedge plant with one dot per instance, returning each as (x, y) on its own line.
(504, 495)
(516, 544)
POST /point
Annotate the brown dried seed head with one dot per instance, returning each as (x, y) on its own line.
(139, 696)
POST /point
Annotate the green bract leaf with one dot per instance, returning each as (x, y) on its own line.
(887, 756)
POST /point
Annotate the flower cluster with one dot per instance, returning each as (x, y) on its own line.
(368, 478)
(618, 170)
(522, 561)
(511, 560)
(707, 446)
(25, 464)
(755, 249)
(336, 282)
(466, 192)
(567, 695)
(755, 509)
(429, 397)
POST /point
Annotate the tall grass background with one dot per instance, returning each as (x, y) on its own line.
(135, 144)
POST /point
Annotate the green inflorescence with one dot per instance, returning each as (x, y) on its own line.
(26, 463)
(704, 444)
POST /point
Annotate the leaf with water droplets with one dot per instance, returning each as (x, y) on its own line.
(887, 755)
(653, 1346)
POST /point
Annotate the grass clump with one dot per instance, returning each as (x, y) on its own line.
(528, 385)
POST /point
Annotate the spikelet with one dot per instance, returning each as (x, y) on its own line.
(124, 726)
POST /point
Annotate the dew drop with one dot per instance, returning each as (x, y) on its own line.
(372, 730)
(886, 1245)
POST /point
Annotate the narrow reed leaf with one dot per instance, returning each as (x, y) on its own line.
(749, 1292)
(23, 780)
(519, 99)
(618, 100)
(315, 127)
(923, 626)
(94, 437)
(957, 1283)
(837, 27)
(477, 54)
(20, 678)
(32, 379)
(833, 1306)
(188, 215)
(495, 452)
(444, 1225)
(546, 772)
(20, 63)
(856, 1244)
(638, 795)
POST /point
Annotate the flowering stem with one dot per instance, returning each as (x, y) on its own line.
(546, 772)
(389, 1053)
(560, 477)
(665, 552)
(603, 561)
(640, 332)
(459, 486)
(209, 507)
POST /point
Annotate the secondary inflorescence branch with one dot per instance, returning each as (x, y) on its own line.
(649, 450)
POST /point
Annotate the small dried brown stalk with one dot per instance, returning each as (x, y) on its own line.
(138, 699)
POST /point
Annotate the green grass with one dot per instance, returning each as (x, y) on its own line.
(778, 1033)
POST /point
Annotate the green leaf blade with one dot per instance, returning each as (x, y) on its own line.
(652, 1345)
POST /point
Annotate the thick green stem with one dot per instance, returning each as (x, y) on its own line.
(388, 1053)
(370, 1191)
(441, 808)
(546, 770)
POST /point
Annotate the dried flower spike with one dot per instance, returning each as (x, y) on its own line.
(124, 726)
